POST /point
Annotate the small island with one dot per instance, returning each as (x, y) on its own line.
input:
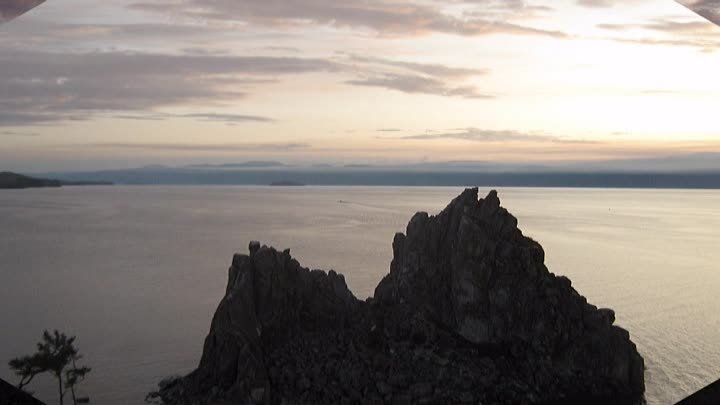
(10, 180)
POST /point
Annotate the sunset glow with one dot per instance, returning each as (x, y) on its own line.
(122, 83)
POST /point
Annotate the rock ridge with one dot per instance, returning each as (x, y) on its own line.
(469, 313)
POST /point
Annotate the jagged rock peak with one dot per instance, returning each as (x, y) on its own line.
(447, 259)
(471, 270)
(269, 299)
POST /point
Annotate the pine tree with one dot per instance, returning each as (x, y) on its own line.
(56, 353)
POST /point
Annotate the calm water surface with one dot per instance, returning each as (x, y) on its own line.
(136, 272)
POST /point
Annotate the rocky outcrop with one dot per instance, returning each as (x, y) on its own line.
(269, 302)
(472, 271)
(469, 313)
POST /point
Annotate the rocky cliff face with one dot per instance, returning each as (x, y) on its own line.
(468, 313)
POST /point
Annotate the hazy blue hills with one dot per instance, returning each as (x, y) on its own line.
(698, 171)
(379, 176)
(250, 164)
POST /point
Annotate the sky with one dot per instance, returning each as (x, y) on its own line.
(90, 85)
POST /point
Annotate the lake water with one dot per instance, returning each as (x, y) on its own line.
(136, 272)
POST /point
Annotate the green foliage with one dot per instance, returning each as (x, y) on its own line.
(56, 353)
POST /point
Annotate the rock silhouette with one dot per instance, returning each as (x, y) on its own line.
(11, 395)
(468, 314)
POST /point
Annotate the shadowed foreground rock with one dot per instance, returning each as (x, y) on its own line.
(468, 314)
(10, 395)
(709, 395)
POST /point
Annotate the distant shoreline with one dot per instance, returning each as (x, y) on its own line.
(16, 181)
(394, 178)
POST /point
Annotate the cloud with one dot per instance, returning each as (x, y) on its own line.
(204, 117)
(596, 3)
(686, 27)
(143, 117)
(203, 147)
(21, 134)
(416, 84)
(416, 78)
(12, 118)
(285, 49)
(486, 135)
(702, 44)
(38, 88)
(44, 87)
(228, 118)
(10, 9)
(605, 3)
(672, 32)
(431, 69)
(126, 31)
(400, 18)
(504, 10)
(667, 26)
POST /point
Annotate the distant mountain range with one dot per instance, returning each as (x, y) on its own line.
(378, 176)
(696, 162)
(700, 170)
(251, 164)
